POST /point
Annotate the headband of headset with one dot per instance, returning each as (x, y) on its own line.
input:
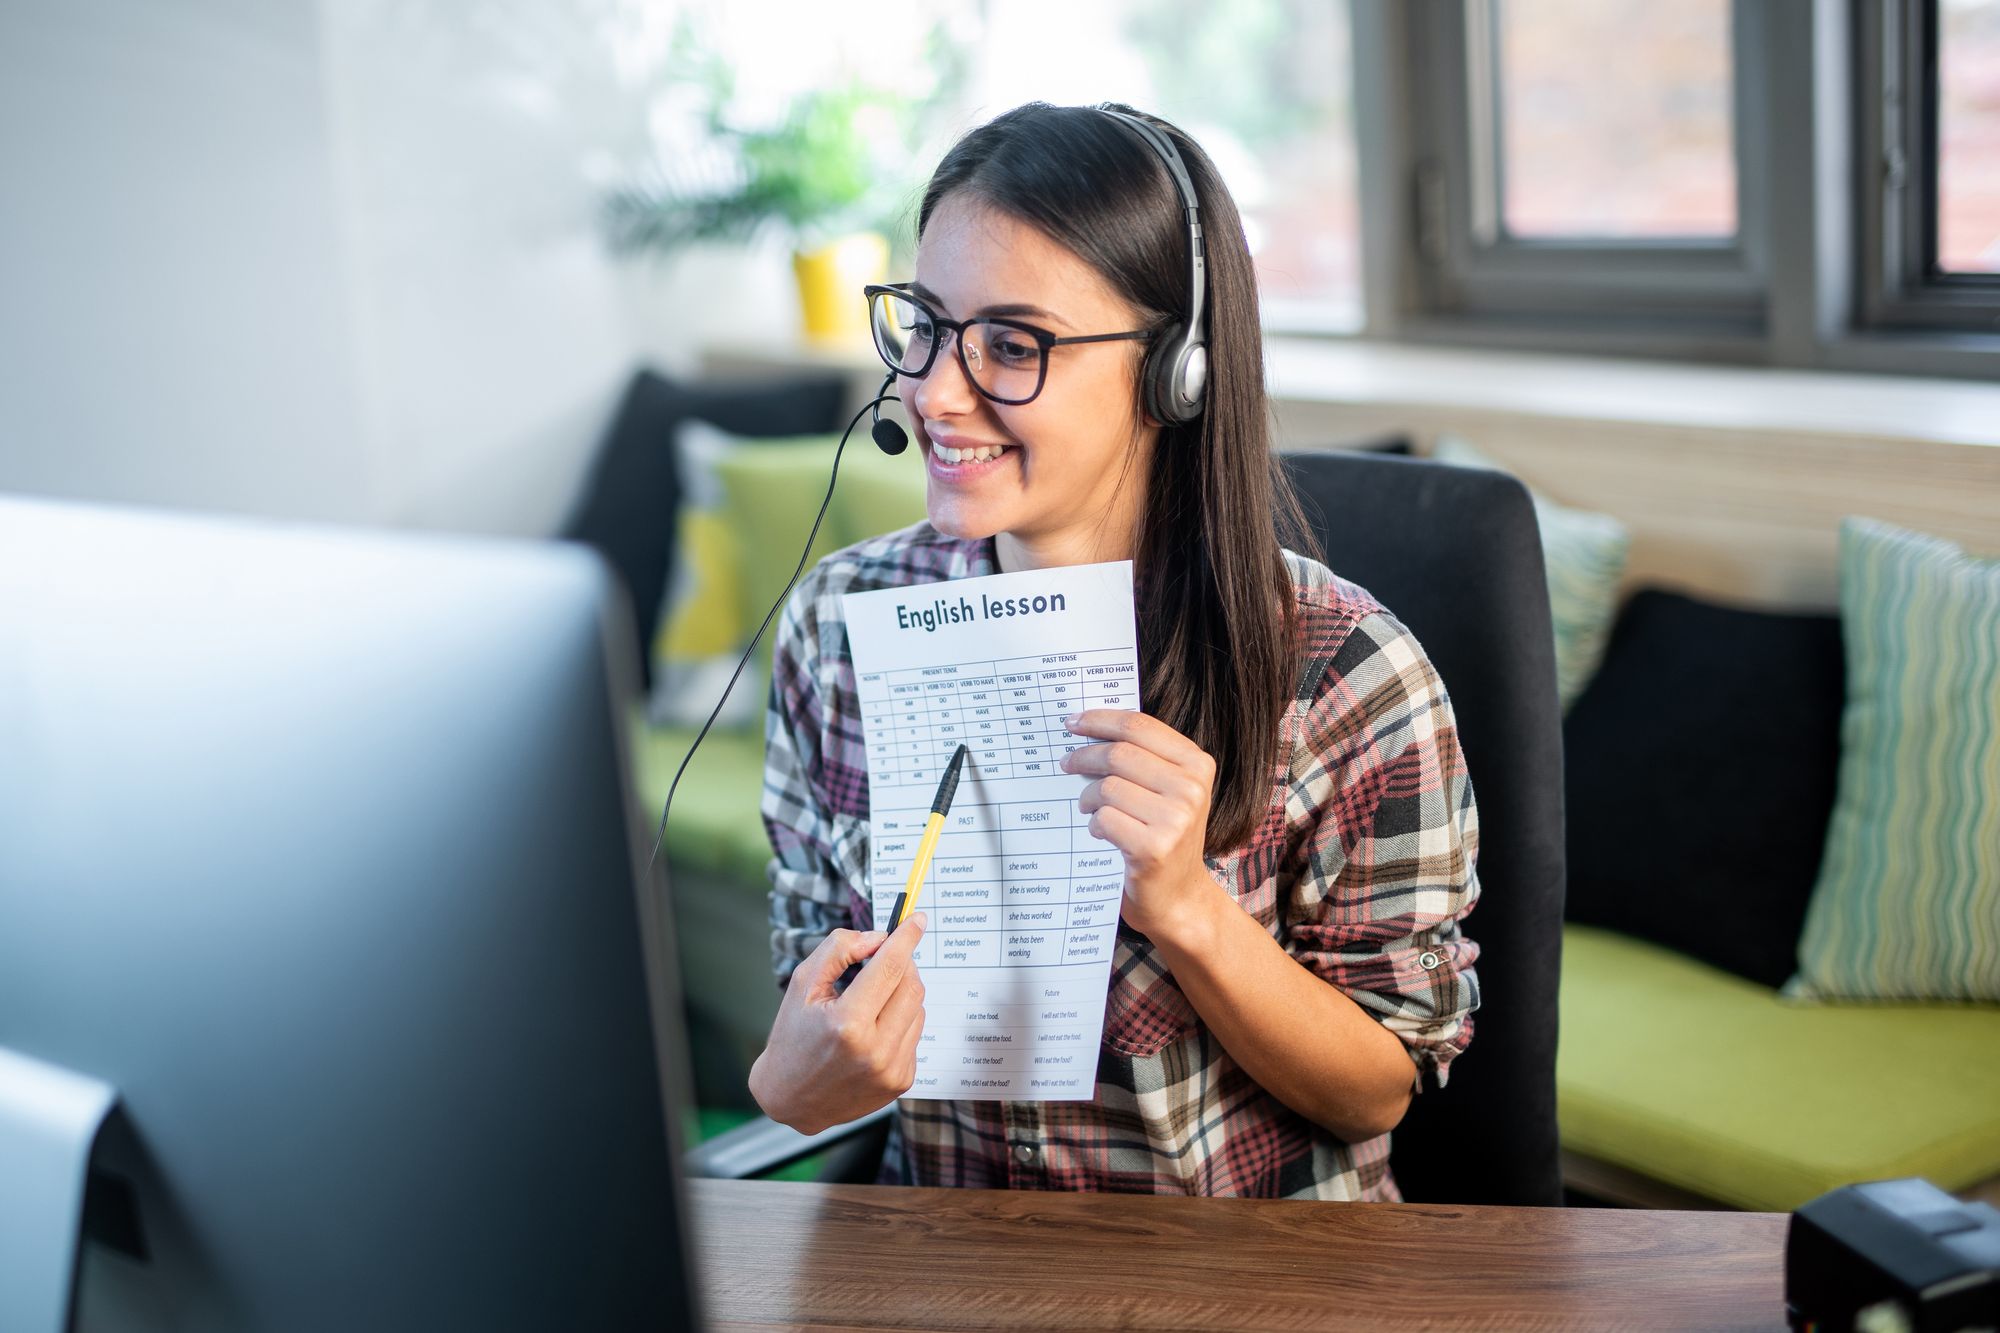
(1178, 373)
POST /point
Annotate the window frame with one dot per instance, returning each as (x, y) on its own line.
(1458, 184)
(1896, 74)
(1804, 114)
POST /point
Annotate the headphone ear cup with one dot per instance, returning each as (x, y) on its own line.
(1191, 379)
(1175, 378)
(1156, 376)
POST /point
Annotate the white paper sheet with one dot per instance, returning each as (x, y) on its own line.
(1022, 899)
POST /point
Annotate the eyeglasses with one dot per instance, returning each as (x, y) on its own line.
(1005, 360)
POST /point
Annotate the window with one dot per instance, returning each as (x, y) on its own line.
(1968, 135)
(1804, 183)
(1635, 142)
(1554, 194)
(1810, 183)
(1262, 85)
(1929, 78)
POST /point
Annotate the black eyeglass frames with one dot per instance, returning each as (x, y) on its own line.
(1006, 360)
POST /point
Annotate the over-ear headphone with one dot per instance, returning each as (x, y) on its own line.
(1174, 379)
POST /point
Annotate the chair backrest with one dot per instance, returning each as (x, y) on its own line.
(1455, 554)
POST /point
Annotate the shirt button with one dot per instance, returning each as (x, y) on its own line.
(1428, 960)
(1024, 1153)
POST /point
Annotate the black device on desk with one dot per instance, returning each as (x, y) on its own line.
(322, 877)
(1893, 1256)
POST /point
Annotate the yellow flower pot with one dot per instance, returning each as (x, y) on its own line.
(830, 283)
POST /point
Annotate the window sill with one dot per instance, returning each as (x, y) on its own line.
(1380, 375)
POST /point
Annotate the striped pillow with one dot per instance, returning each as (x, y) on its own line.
(1907, 904)
(1583, 554)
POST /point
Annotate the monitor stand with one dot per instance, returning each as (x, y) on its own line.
(49, 1121)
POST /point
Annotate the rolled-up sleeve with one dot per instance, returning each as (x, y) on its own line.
(1387, 868)
(816, 858)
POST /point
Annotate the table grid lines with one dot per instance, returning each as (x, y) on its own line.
(1008, 712)
(1011, 884)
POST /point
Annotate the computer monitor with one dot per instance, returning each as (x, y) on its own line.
(319, 849)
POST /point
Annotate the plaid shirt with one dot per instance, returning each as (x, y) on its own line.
(1362, 868)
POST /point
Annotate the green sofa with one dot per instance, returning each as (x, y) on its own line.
(1670, 1072)
(1678, 1084)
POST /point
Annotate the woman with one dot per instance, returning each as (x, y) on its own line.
(1297, 825)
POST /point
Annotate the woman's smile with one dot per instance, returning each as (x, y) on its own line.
(957, 460)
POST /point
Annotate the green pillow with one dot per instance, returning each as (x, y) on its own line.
(1583, 555)
(1907, 904)
(772, 489)
(877, 493)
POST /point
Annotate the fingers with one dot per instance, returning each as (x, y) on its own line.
(905, 1065)
(1127, 759)
(886, 969)
(814, 977)
(1124, 832)
(1149, 807)
(1120, 724)
(904, 1007)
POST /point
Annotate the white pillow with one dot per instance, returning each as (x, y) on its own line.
(1584, 555)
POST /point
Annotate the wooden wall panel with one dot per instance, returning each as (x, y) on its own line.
(1749, 516)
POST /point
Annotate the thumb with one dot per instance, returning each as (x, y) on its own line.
(824, 966)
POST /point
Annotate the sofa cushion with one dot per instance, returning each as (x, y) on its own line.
(772, 491)
(878, 493)
(1583, 558)
(1699, 772)
(1703, 1080)
(1908, 900)
(715, 826)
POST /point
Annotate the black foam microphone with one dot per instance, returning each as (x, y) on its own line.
(890, 438)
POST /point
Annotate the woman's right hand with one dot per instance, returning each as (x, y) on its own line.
(837, 1055)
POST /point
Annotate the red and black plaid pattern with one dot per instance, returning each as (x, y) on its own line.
(1363, 869)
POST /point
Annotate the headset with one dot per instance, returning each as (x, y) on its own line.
(1173, 381)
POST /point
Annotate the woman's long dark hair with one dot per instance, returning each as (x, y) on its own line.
(1217, 621)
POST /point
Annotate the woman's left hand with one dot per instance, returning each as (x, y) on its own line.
(1150, 800)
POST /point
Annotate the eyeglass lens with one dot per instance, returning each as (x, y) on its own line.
(1003, 361)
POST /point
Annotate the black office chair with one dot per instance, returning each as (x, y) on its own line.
(1456, 555)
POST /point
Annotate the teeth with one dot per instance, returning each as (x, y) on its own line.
(981, 454)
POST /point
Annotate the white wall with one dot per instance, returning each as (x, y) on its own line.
(328, 260)
(172, 328)
(490, 336)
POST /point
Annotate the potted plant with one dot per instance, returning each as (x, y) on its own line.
(827, 175)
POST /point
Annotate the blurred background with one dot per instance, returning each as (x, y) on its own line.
(1714, 278)
(391, 261)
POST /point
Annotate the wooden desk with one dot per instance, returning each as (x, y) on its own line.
(856, 1256)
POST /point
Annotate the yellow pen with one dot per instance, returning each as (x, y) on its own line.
(933, 826)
